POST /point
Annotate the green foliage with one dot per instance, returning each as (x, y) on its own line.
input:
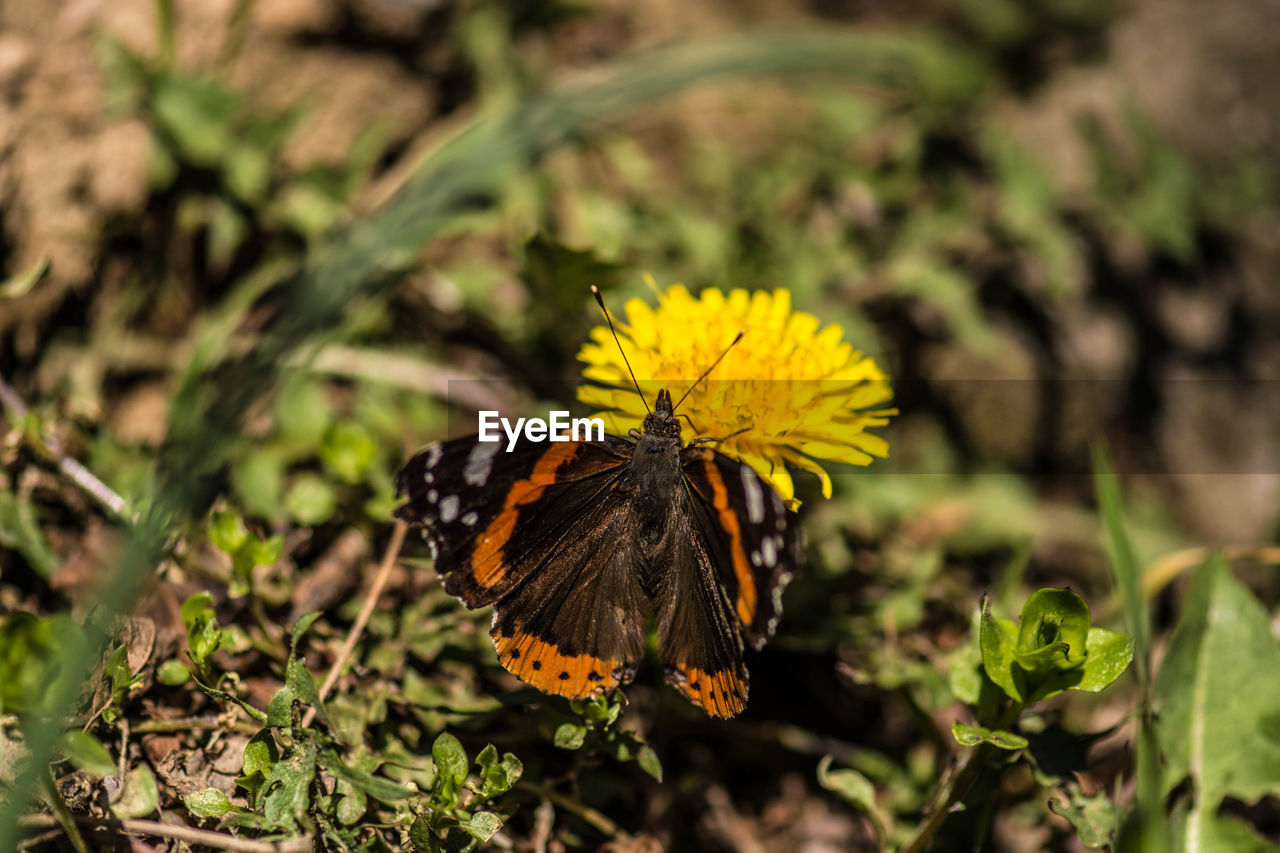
(203, 634)
(1218, 707)
(28, 660)
(87, 753)
(1052, 649)
(592, 726)
(20, 530)
(449, 823)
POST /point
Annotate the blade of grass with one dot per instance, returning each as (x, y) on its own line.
(1146, 829)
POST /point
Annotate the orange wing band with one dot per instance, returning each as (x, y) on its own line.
(541, 664)
(487, 562)
(720, 694)
(746, 603)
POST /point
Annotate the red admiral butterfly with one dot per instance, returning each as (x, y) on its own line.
(578, 544)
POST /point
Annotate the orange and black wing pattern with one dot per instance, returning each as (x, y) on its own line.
(493, 516)
(752, 540)
(539, 533)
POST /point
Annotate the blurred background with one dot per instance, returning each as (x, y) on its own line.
(1051, 222)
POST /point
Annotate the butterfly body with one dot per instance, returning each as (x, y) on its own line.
(578, 545)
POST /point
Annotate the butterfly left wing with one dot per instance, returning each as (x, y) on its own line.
(539, 533)
(491, 515)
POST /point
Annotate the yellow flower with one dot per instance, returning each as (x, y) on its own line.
(787, 394)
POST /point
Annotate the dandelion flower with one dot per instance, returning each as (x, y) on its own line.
(789, 394)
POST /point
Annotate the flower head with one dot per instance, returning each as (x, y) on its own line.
(787, 394)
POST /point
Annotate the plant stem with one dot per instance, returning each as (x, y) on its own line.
(370, 602)
(952, 792)
(205, 837)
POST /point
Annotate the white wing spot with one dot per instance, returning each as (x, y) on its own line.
(755, 559)
(428, 478)
(769, 553)
(434, 452)
(449, 508)
(755, 495)
(781, 523)
(432, 496)
(469, 519)
(480, 462)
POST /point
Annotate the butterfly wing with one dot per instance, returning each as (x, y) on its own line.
(575, 625)
(737, 551)
(526, 531)
(700, 638)
(493, 516)
(751, 537)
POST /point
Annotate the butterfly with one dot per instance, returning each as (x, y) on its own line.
(578, 545)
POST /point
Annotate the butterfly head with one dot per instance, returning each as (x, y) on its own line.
(662, 420)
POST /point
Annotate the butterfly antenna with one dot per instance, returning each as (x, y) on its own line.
(595, 291)
(707, 372)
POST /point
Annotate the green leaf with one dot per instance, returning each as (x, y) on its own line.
(998, 638)
(172, 673)
(422, 837)
(28, 648)
(1124, 565)
(483, 825)
(298, 679)
(20, 530)
(264, 552)
(87, 753)
(348, 451)
(116, 669)
(450, 758)
(1219, 699)
(1053, 632)
(195, 606)
(351, 807)
(258, 480)
(288, 785)
(195, 113)
(208, 803)
(1093, 818)
(967, 735)
(227, 532)
(260, 753)
(1110, 653)
(854, 788)
(377, 787)
(140, 796)
(203, 634)
(303, 412)
(647, 758)
(497, 775)
(570, 735)
(310, 499)
(280, 708)
(301, 627)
